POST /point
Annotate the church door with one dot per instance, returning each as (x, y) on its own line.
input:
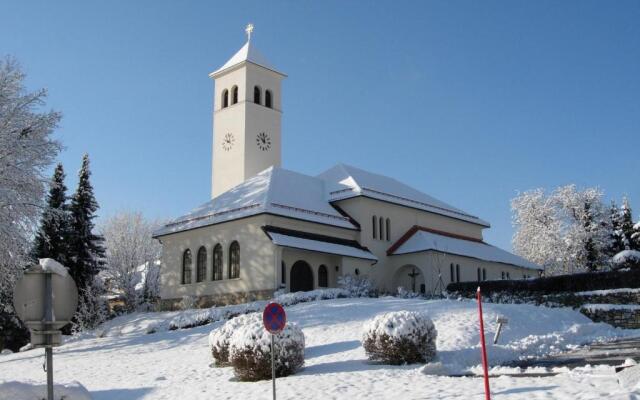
(301, 277)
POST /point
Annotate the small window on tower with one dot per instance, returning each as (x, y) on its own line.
(256, 94)
(225, 98)
(267, 99)
(234, 95)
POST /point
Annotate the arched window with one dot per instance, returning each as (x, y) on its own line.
(381, 228)
(216, 275)
(201, 267)
(323, 276)
(186, 267)
(234, 260)
(256, 94)
(374, 223)
(267, 99)
(225, 98)
(283, 273)
(388, 230)
(234, 95)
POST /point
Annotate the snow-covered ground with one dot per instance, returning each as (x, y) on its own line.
(127, 363)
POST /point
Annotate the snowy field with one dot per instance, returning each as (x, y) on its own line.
(127, 363)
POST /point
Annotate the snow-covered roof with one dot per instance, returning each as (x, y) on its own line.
(320, 246)
(249, 53)
(275, 191)
(344, 181)
(423, 240)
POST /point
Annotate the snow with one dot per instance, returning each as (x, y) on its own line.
(425, 241)
(251, 335)
(31, 391)
(610, 307)
(344, 181)
(626, 256)
(275, 191)
(127, 363)
(399, 324)
(607, 292)
(319, 246)
(51, 265)
(248, 52)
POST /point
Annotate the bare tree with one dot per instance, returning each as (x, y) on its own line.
(131, 256)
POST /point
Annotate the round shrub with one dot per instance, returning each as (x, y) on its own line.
(250, 351)
(402, 337)
(219, 338)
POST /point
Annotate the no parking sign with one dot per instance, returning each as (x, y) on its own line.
(274, 319)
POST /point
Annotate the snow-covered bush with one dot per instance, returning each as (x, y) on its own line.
(401, 337)
(250, 351)
(626, 259)
(357, 286)
(219, 338)
(403, 293)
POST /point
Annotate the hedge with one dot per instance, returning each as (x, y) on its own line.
(554, 284)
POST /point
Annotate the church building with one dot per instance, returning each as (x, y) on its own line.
(268, 228)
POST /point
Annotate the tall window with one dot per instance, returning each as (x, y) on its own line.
(502, 274)
(388, 230)
(267, 99)
(256, 95)
(381, 221)
(216, 275)
(234, 95)
(234, 260)
(225, 98)
(374, 224)
(186, 267)
(508, 276)
(484, 274)
(201, 267)
(323, 276)
(453, 277)
(457, 272)
(479, 276)
(283, 273)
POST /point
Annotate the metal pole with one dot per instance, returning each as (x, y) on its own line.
(273, 367)
(48, 310)
(497, 335)
(485, 366)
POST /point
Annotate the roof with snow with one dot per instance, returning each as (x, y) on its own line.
(275, 191)
(422, 239)
(344, 181)
(248, 53)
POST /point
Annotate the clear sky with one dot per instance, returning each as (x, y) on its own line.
(468, 101)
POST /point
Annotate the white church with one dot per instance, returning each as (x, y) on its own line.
(268, 228)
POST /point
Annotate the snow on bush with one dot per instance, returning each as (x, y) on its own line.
(627, 259)
(357, 286)
(250, 351)
(30, 391)
(403, 293)
(188, 302)
(219, 338)
(401, 337)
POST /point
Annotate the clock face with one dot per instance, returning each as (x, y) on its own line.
(263, 141)
(227, 142)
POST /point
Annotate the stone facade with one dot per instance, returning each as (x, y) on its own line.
(618, 317)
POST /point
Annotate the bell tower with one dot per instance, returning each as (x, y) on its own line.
(247, 118)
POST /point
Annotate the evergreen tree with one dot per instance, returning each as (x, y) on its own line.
(86, 248)
(626, 226)
(52, 238)
(615, 237)
(592, 255)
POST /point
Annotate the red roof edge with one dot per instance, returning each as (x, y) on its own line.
(417, 228)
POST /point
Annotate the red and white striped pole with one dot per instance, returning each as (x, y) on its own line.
(485, 365)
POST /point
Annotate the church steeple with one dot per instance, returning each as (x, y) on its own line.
(246, 118)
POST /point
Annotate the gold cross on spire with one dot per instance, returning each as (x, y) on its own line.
(249, 29)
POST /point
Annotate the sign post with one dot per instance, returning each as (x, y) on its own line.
(485, 366)
(274, 319)
(45, 299)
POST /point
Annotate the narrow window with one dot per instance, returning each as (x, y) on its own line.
(388, 230)
(267, 99)
(508, 276)
(479, 277)
(217, 263)
(283, 273)
(452, 275)
(458, 272)
(256, 94)
(484, 274)
(502, 275)
(323, 276)
(225, 98)
(186, 267)
(234, 95)
(381, 228)
(374, 223)
(201, 269)
(234, 260)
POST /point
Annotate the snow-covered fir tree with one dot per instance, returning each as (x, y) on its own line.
(27, 149)
(616, 244)
(626, 226)
(52, 239)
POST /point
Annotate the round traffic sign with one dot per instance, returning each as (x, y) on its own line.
(274, 318)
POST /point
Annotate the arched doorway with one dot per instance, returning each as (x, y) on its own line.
(411, 278)
(301, 277)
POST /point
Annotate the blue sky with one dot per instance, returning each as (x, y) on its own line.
(468, 101)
